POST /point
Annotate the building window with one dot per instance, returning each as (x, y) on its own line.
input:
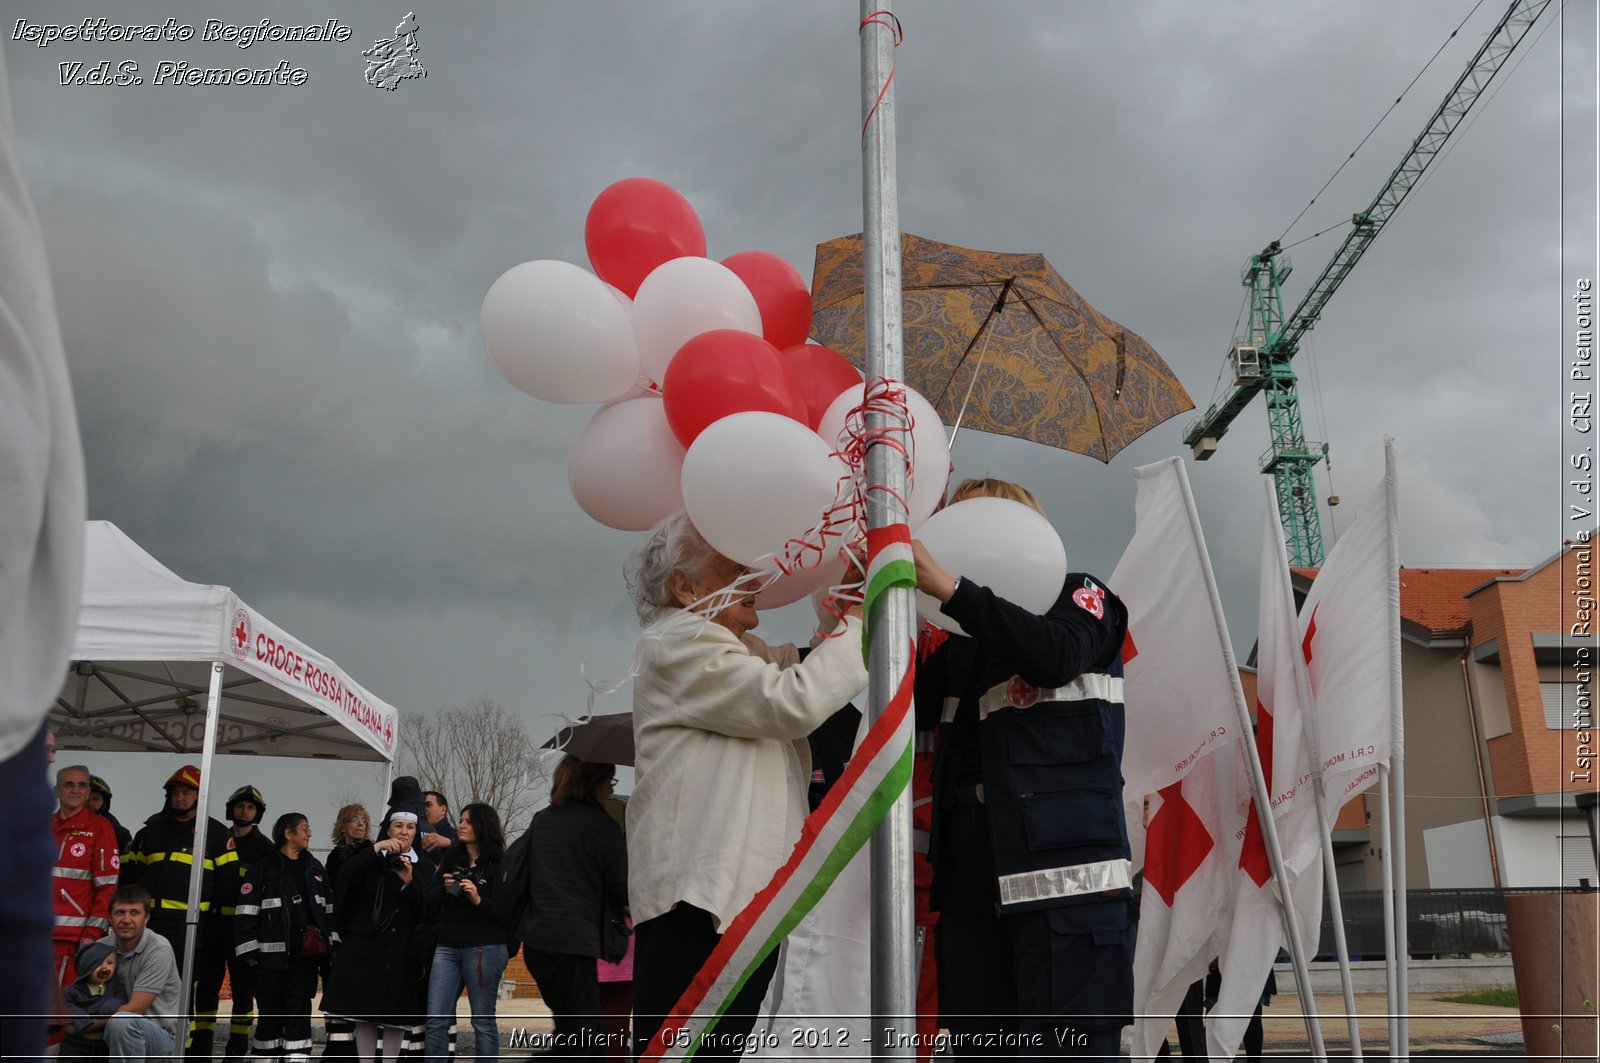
(1561, 711)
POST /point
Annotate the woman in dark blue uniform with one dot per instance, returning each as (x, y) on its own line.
(1032, 878)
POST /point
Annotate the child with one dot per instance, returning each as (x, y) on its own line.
(91, 999)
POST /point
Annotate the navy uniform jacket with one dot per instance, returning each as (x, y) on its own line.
(1030, 723)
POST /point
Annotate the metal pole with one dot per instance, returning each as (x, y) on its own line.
(1397, 753)
(1386, 847)
(197, 852)
(893, 626)
(1291, 921)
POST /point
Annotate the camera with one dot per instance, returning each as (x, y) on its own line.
(462, 876)
(393, 861)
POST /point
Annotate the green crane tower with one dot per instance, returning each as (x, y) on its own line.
(1260, 360)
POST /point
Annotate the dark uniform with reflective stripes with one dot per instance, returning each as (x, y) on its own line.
(216, 953)
(1032, 878)
(159, 860)
(277, 901)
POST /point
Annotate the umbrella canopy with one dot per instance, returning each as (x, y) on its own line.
(1005, 337)
(598, 740)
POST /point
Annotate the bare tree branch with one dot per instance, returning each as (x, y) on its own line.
(476, 752)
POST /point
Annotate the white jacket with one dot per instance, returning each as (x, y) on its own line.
(720, 755)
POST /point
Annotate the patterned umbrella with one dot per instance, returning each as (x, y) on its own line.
(1000, 343)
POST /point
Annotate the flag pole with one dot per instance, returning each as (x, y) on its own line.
(893, 626)
(1308, 709)
(1269, 832)
(1397, 756)
(1386, 846)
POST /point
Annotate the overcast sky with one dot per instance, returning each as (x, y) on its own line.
(269, 296)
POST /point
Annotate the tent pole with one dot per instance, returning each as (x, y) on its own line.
(191, 918)
(894, 625)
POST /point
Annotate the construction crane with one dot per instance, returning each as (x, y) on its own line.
(1260, 361)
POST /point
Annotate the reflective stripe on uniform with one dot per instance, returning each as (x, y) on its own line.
(951, 704)
(921, 841)
(246, 947)
(105, 880)
(923, 742)
(271, 902)
(246, 909)
(76, 872)
(1071, 881)
(1091, 686)
(74, 920)
(205, 906)
(274, 946)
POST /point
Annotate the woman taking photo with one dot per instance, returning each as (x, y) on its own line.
(283, 928)
(577, 875)
(378, 902)
(471, 949)
(720, 721)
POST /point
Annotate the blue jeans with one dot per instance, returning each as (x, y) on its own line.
(478, 968)
(130, 1036)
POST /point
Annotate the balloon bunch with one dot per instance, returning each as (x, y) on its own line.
(712, 400)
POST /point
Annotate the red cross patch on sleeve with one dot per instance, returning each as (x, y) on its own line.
(1091, 599)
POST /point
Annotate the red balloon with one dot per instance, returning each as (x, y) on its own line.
(727, 371)
(781, 293)
(634, 226)
(824, 373)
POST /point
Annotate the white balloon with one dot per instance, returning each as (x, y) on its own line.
(555, 331)
(682, 298)
(752, 481)
(930, 448)
(625, 468)
(1004, 545)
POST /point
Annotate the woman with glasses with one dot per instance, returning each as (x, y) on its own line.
(471, 950)
(351, 830)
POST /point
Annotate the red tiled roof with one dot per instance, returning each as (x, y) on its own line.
(1434, 598)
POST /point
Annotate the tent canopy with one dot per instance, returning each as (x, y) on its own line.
(146, 644)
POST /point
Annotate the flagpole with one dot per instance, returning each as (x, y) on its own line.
(1397, 755)
(893, 625)
(1308, 711)
(1386, 846)
(1269, 832)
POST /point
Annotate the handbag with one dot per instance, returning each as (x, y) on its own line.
(313, 945)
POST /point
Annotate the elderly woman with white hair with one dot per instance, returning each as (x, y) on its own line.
(720, 721)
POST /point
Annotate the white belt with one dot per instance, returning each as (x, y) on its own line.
(1070, 881)
(1015, 693)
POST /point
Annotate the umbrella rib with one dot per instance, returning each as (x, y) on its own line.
(994, 308)
(1093, 398)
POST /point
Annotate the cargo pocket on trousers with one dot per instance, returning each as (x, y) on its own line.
(1070, 818)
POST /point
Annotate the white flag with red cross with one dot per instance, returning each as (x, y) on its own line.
(1191, 862)
(1258, 930)
(1350, 632)
(1180, 683)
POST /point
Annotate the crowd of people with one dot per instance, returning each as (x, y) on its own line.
(394, 927)
(1025, 878)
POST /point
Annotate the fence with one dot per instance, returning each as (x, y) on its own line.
(1440, 923)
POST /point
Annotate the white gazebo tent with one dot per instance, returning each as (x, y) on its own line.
(164, 665)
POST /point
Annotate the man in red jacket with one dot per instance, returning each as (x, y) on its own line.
(86, 870)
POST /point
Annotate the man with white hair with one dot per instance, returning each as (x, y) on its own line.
(86, 868)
